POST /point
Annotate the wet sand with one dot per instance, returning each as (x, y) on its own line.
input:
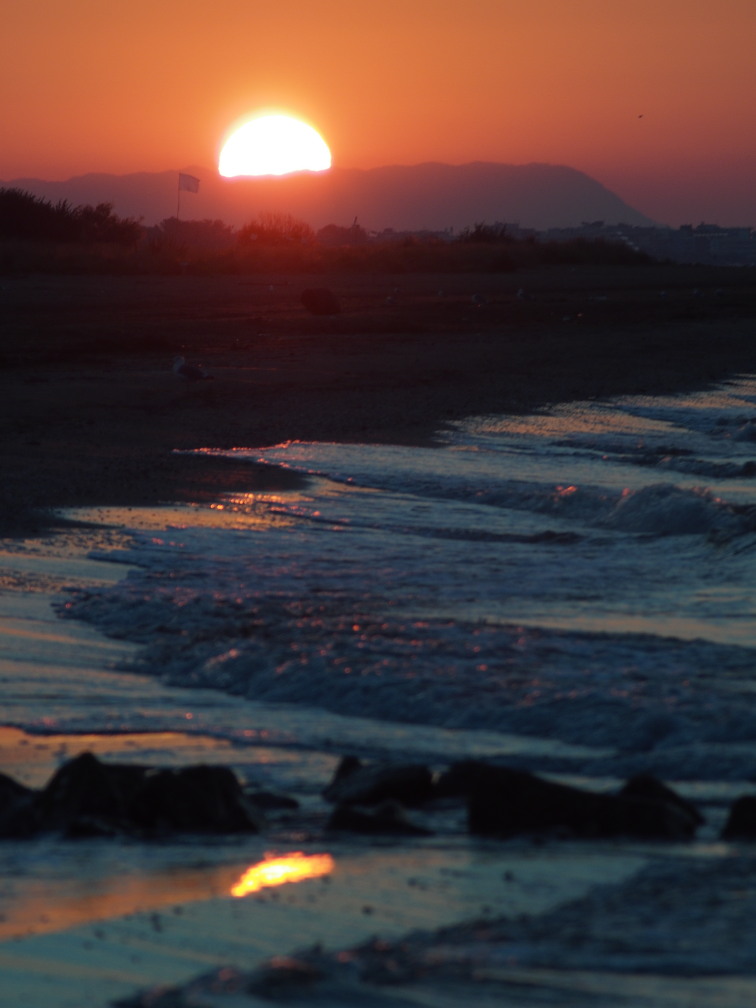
(91, 413)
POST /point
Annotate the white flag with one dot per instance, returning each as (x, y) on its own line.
(188, 183)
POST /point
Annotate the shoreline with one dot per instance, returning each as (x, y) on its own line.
(93, 415)
(100, 423)
(145, 915)
(461, 918)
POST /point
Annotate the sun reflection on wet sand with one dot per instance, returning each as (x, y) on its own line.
(234, 511)
(51, 903)
(80, 893)
(278, 871)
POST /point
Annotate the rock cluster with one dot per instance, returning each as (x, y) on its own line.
(87, 797)
(505, 802)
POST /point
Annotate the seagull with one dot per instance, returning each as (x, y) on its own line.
(189, 372)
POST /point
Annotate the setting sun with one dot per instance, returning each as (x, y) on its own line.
(273, 145)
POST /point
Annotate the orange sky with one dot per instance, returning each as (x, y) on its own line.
(654, 98)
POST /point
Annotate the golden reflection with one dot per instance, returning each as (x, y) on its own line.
(565, 491)
(278, 871)
(255, 509)
(85, 894)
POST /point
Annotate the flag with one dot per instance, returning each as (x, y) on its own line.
(188, 183)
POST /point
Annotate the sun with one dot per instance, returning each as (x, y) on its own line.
(273, 145)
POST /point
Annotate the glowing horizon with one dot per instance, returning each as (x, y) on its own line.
(653, 100)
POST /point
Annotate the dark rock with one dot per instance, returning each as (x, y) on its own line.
(460, 779)
(741, 822)
(320, 301)
(346, 767)
(18, 815)
(648, 786)
(196, 799)
(388, 818)
(505, 802)
(86, 791)
(356, 784)
(88, 798)
(11, 790)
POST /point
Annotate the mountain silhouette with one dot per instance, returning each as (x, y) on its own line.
(431, 196)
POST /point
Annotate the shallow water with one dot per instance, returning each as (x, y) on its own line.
(584, 575)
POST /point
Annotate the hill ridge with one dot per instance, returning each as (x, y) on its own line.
(433, 195)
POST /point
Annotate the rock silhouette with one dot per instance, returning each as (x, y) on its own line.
(506, 802)
(741, 822)
(87, 797)
(357, 784)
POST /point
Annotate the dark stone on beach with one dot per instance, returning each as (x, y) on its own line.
(741, 822)
(17, 808)
(86, 797)
(11, 790)
(196, 799)
(505, 802)
(346, 767)
(388, 818)
(459, 780)
(648, 786)
(356, 784)
(320, 301)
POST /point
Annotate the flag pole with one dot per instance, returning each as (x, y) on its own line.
(188, 182)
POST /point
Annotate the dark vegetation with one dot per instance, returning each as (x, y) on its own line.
(39, 236)
(24, 217)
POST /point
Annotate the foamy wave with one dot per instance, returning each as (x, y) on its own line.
(664, 509)
(635, 692)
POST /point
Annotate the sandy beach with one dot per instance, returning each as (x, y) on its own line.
(94, 423)
(91, 412)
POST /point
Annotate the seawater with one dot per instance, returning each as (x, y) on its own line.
(584, 575)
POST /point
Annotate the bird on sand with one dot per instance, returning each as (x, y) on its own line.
(189, 372)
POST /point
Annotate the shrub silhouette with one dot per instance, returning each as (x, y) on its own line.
(196, 236)
(276, 229)
(59, 237)
(484, 234)
(26, 217)
(95, 224)
(335, 236)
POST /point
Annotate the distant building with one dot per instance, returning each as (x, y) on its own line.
(707, 244)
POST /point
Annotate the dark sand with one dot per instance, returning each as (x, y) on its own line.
(91, 412)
